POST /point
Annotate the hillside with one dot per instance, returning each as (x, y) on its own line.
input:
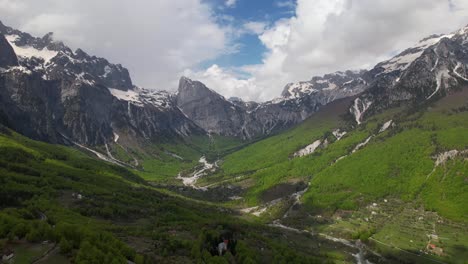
(366, 166)
(414, 167)
(93, 212)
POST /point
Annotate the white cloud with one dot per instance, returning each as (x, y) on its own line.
(230, 3)
(330, 35)
(226, 82)
(156, 40)
(255, 27)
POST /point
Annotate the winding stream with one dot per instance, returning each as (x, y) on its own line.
(192, 180)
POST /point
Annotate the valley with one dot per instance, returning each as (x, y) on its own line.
(362, 166)
(393, 218)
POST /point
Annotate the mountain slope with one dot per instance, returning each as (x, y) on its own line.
(94, 212)
(250, 120)
(88, 100)
(380, 160)
(387, 166)
(58, 95)
(369, 180)
(431, 69)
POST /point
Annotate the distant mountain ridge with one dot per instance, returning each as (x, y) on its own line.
(52, 93)
(57, 95)
(430, 69)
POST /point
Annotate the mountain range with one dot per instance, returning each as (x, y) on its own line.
(361, 165)
(53, 93)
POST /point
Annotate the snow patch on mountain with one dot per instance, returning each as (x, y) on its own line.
(432, 40)
(403, 60)
(338, 134)
(107, 71)
(385, 126)
(331, 86)
(296, 89)
(362, 144)
(21, 69)
(455, 71)
(439, 80)
(141, 97)
(309, 149)
(359, 107)
(81, 78)
(29, 52)
(129, 95)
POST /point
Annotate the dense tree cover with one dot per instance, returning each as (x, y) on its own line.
(88, 245)
(101, 213)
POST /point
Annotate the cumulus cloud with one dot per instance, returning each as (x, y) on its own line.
(255, 27)
(161, 40)
(330, 35)
(156, 40)
(227, 82)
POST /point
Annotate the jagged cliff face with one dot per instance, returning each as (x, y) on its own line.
(51, 93)
(8, 57)
(430, 69)
(335, 85)
(248, 120)
(236, 118)
(208, 109)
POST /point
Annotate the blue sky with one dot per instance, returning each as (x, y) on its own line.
(249, 48)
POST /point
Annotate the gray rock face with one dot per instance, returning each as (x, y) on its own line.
(208, 109)
(430, 69)
(54, 94)
(338, 85)
(57, 95)
(248, 120)
(434, 67)
(7, 54)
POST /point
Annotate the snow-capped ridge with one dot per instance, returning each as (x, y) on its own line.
(28, 51)
(141, 97)
(340, 81)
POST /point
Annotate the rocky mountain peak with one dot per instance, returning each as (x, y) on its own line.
(188, 86)
(49, 37)
(7, 55)
(81, 53)
(235, 99)
(432, 68)
(54, 60)
(62, 96)
(191, 91)
(333, 85)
